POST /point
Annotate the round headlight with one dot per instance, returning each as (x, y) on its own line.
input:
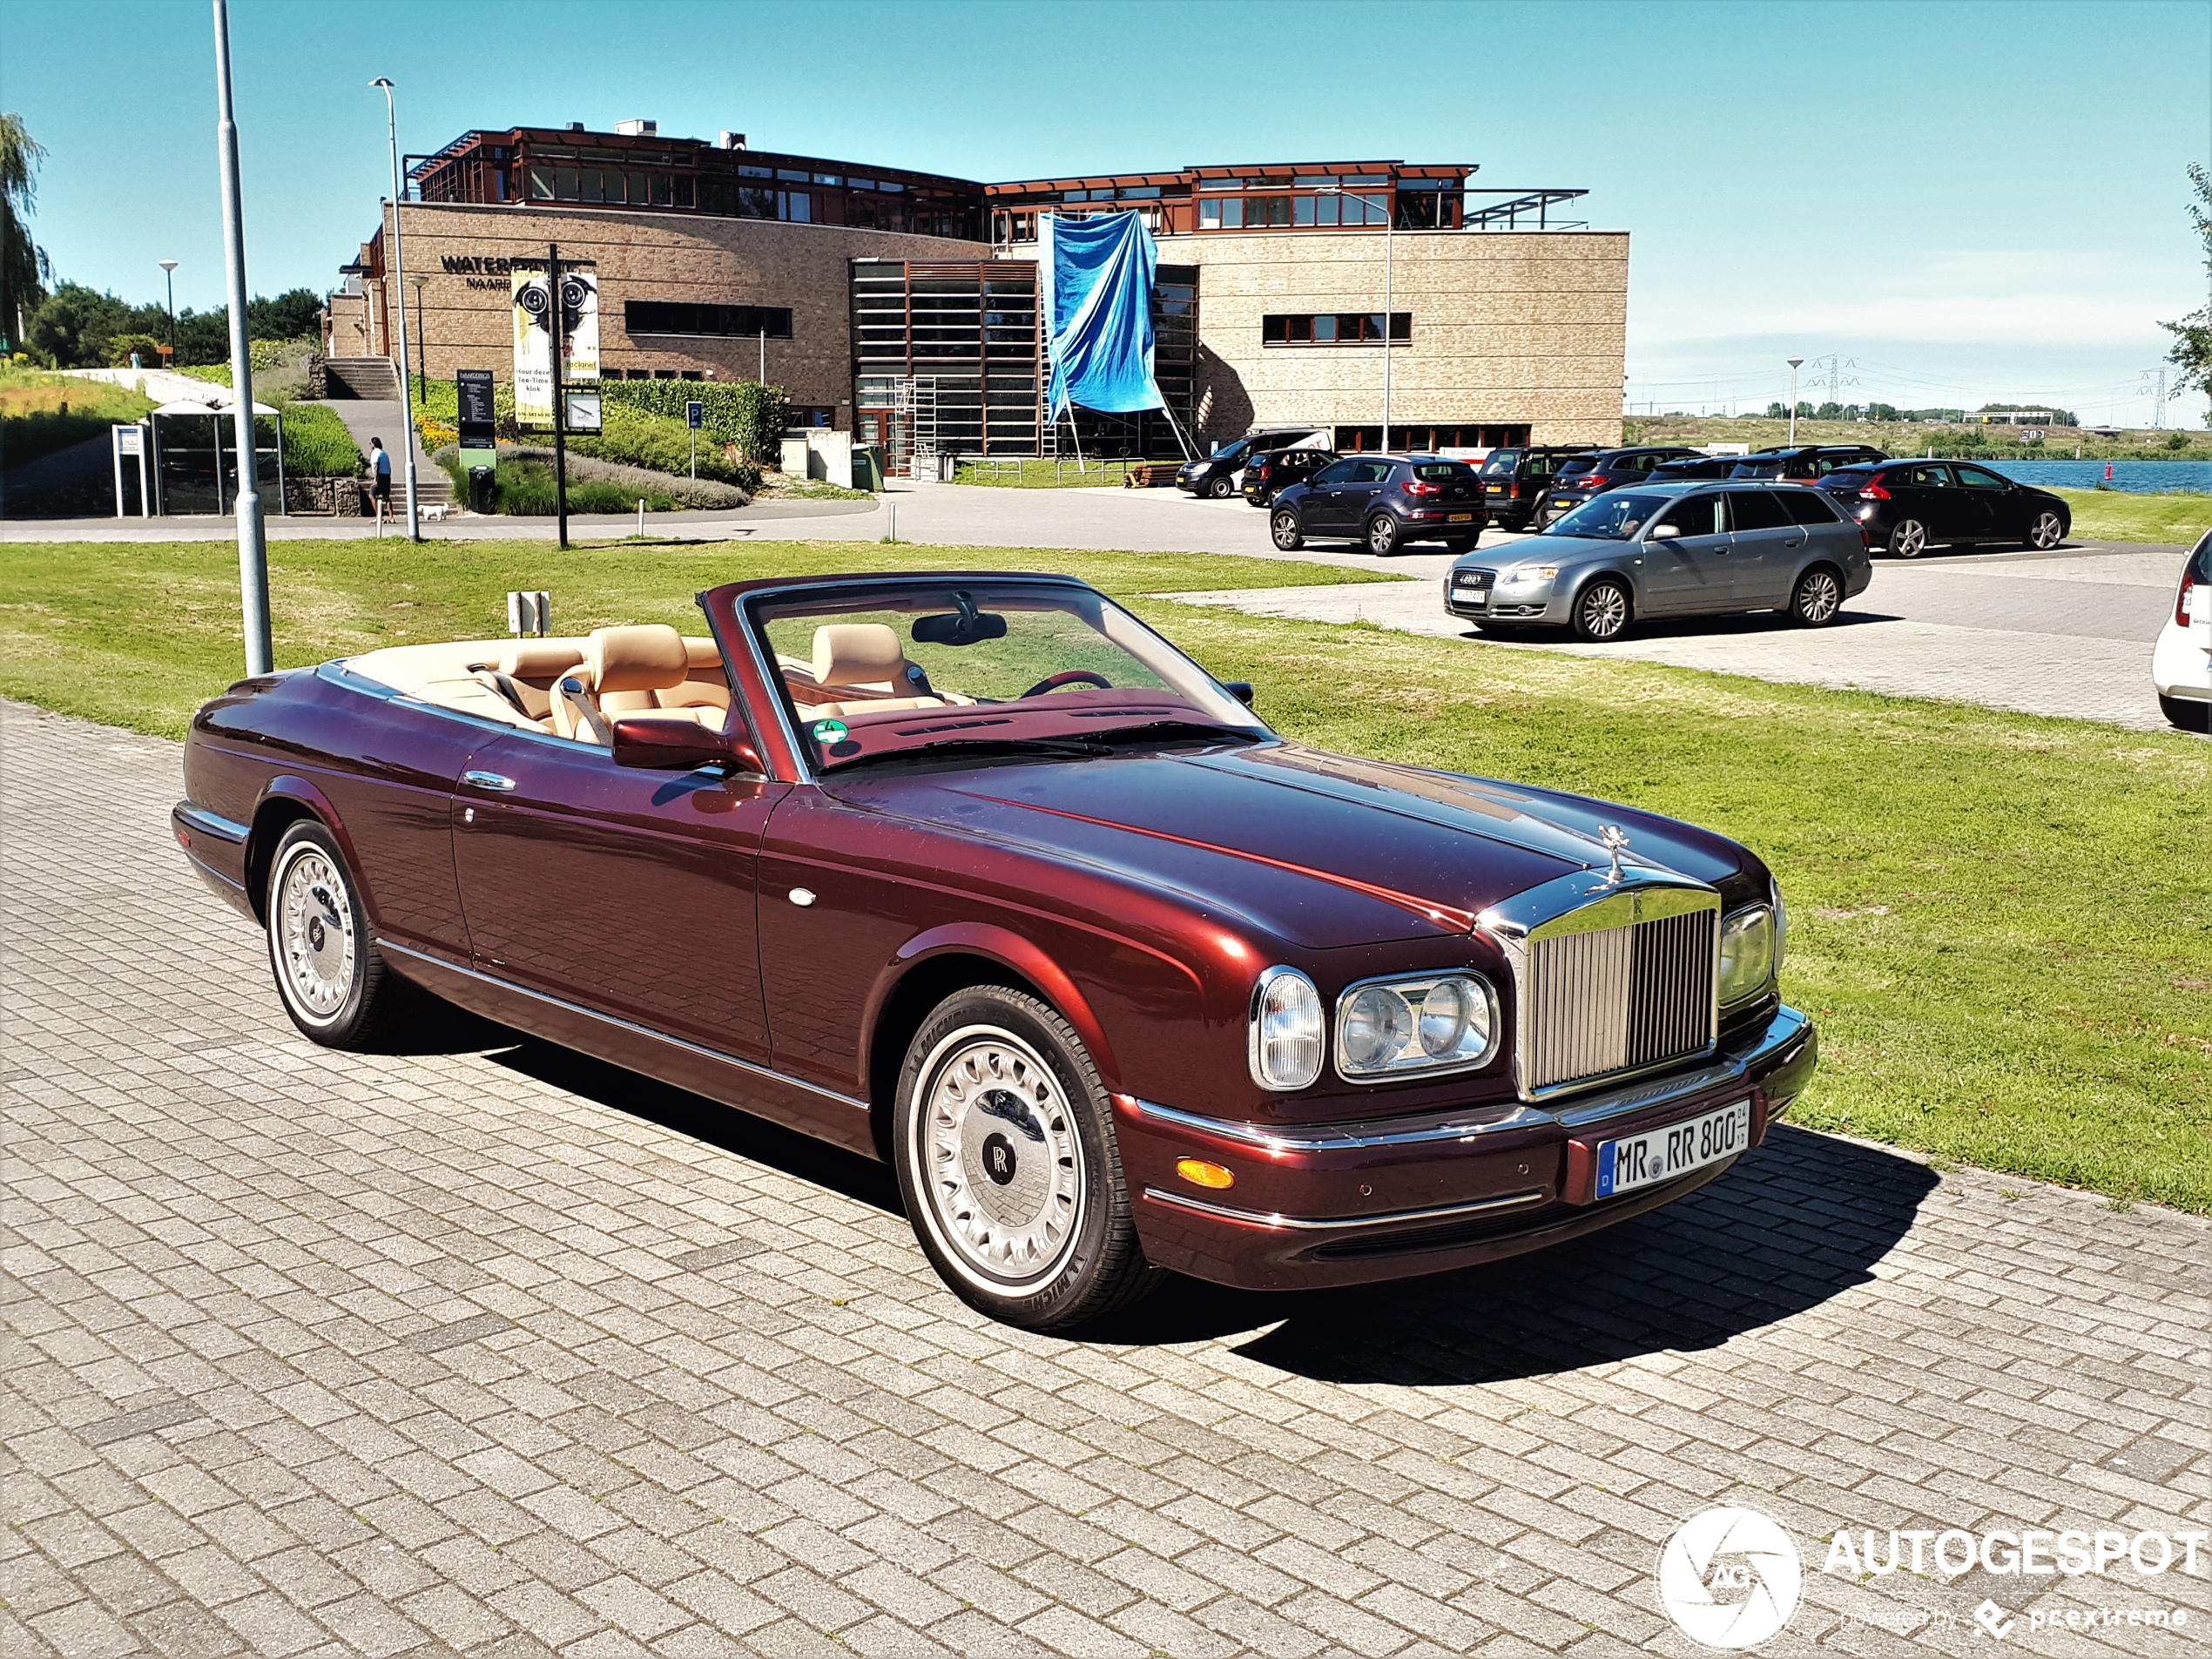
(1378, 1024)
(1287, 1029)
(1445, 1012)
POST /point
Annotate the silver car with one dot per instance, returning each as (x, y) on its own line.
(1688, 550)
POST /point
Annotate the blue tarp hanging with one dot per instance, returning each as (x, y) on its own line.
(1098, 277)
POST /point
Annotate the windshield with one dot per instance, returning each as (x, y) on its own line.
(907, 668)
(1615, 516)
(1501, 463)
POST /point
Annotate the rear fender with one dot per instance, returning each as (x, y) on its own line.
(284, 801)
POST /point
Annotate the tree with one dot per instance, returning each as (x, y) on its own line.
(2192, 352)
(24, 269)
(289, 316)
(72, 328)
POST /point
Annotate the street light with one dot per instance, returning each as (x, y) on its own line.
(422, 333)
(169, 275)
(1793, 363)
(399, 276)
(1390, 215)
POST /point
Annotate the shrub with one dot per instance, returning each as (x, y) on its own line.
(659, 444)
(530, 463)
(317, 445)
(120, 347)
(743, 413)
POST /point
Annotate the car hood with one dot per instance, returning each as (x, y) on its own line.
(1548, 550)
(1320, 850)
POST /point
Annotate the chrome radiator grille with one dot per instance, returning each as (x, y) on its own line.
(1607, 1000)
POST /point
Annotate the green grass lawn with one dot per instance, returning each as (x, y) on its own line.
(140, 634)
(2115, 515)
(2000, 921)
(1054, 475)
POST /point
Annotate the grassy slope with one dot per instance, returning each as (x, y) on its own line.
(2113, 515)
(32, 423)
(2000, 920)
(77, 635)
(1907, 437)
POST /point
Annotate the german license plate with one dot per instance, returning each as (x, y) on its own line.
(1661, 1153)
(1461, 518)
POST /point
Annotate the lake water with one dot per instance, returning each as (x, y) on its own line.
(2137, 477)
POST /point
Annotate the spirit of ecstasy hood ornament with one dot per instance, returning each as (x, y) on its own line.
(1614, 838)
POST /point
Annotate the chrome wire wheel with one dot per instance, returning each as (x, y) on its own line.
(2045, 532)
(1818, 597)
(1909, 539)
(1000, 1162)
(318, 953)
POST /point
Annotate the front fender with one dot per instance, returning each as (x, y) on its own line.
(1010, 950)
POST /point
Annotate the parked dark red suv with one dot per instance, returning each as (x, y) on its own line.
(1383, 501)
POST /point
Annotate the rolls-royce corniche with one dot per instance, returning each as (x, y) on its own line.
(978, 874)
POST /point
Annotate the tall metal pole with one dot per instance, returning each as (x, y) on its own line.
(1793, 363)
(399, 286)
(253, 542)
(169, 273)
(560, 415)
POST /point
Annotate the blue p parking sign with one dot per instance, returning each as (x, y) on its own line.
(695, 414)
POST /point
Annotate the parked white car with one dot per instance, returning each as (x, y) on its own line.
(2181, 664)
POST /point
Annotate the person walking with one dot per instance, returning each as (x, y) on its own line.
(380, 489)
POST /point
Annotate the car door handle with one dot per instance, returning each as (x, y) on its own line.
(1799, 542)
(487, 780)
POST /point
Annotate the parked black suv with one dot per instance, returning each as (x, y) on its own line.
(1906, 507)
(1268, 476)
(1580, 478)
(1216, 475)
(1385, 502)
(1513, 480)
(1808, 463)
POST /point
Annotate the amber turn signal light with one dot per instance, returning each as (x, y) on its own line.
(1205, 1174)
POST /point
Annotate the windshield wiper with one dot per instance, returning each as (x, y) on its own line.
(962, 748)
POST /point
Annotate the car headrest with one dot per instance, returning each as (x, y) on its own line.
(648, 658)
(539, 659)
(857, 653)
(702, 653)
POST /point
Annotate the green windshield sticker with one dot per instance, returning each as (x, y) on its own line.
(828, 731)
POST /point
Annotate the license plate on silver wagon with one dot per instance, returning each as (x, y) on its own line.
(1661, 1153)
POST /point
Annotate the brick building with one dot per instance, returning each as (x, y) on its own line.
(880, 298)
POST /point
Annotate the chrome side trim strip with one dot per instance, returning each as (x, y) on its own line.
(206, 823)
(1348, 1223)
(1334, 1139)
(620, 1024)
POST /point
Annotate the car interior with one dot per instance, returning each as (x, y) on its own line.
(574, 688)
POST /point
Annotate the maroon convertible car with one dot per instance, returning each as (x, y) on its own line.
(979, 874)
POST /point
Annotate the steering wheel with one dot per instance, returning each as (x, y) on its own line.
(1069, 677)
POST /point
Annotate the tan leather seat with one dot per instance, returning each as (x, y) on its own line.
(705, 691)
(532, 666)
(866, 656)
(622, 670)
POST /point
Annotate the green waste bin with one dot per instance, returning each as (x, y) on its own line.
(868, 467)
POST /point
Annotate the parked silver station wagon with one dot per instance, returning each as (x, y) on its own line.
(1670, 551)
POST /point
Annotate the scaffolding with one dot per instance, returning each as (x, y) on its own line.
(913, 425)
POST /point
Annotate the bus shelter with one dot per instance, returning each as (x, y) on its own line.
(195, 469)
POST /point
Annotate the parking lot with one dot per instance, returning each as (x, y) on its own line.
(481, 1347)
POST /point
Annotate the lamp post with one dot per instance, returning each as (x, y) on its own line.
(399, 274)
(1793, 363)
(422, 334)
(169, 275)
(253, 539)
(1390, 214)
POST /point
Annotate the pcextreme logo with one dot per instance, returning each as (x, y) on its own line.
(1730, 1577)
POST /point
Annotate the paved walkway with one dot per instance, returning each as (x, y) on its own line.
(484, 1348)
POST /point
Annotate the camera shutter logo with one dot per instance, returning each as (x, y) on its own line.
(1729, 1578)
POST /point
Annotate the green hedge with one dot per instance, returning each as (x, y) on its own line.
(744, 413)
(317, 445)
(661, 444)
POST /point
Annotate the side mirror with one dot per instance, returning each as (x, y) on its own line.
(657, 743)
(1241, 690)
(1665, 533)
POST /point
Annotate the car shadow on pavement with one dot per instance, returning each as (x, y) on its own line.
(1734, 625)
(863, 1180)
(1800, 1220)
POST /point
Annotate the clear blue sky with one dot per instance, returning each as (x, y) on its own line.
(1971, 200)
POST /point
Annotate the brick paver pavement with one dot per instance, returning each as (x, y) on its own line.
(488, 1349)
